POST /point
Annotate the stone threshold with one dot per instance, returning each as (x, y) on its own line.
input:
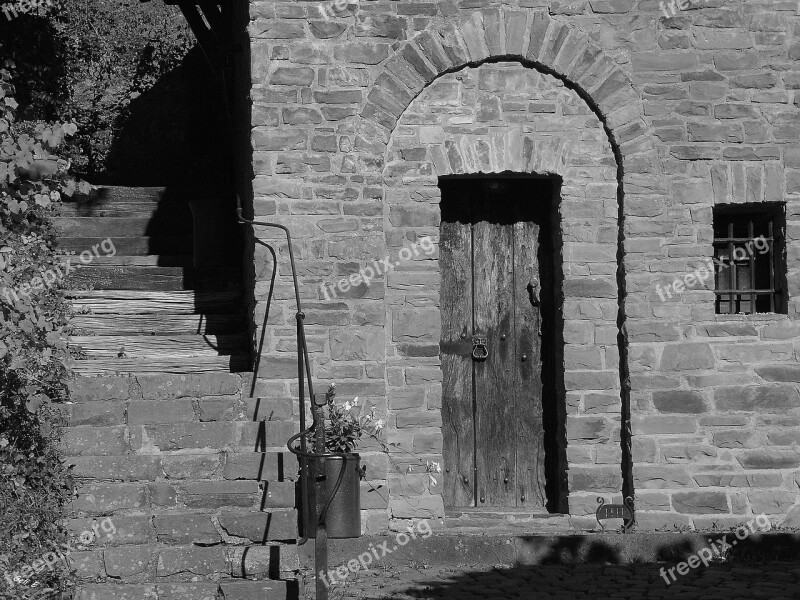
(446, 548)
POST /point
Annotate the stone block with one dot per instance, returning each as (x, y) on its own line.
(687, 357)
(186, 528)
(769, 459)
(94, 441)
(651, 477)
(193, 560)
(142, 412)
(106, 498)
(127, 561)
(700, 502)
(258, 527)
(679, 401)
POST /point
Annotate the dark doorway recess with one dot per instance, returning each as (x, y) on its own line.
(502, 344)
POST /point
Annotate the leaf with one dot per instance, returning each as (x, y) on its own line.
(69, 129)
(11, 103)
(85, 188)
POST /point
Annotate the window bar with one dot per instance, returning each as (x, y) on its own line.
(771, 259)
(732, 267)
(752, 258)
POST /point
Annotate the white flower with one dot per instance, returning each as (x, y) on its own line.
(347, 405)
(379, 424)
(355, 401)
(433, 467)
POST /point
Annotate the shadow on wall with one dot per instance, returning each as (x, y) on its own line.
(175, 133)
(177, 205)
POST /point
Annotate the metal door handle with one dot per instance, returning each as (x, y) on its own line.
(479, 350)
(534, 287)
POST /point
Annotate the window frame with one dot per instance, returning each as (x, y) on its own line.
(733, 217)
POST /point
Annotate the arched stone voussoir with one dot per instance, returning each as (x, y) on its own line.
(532, 38)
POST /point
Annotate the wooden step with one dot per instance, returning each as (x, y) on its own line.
(128, 302)
(154, 278)
(234, 363)
(163, 324)
(119, 227)
(148, 260)
(128, 278)
(131, 246)
(128, 209)
(114, 193)
(158, 346)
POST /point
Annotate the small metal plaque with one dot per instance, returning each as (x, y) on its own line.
(623, 511)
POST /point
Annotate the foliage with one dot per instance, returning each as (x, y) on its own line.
(343, 429)
(88, 61)
(34, 483)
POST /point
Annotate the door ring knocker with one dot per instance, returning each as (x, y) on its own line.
(479, 350)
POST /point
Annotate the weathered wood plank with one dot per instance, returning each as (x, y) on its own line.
(197, 364)
(150, 260)
(132, 246)
(129, 278)
(162, 324)
(150, 347)
(128, 302)
(128, 226)
(455, 247)
(495, 427)
(527, 377)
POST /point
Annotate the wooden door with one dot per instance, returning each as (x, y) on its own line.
(492, 409)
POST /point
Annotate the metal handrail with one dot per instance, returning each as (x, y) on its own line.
(303, 368)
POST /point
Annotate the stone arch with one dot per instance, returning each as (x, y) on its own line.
(533, 40)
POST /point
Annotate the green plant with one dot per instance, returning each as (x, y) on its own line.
(34, 483)
(88, 61)
(343, 428)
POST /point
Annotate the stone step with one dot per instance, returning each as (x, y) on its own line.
(279, 466)
(133, 302)
(145, 209)
(155, 386)
(149, 438)
(229, 590)
(473, 520)
(131, 246)
(163, 324)
(157, 278)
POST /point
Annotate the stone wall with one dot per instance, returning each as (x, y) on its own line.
(350, 128)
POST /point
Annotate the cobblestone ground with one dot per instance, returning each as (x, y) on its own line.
(768, 581)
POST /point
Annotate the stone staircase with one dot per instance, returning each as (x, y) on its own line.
(186, 471)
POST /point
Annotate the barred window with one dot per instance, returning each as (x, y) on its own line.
(749, 259)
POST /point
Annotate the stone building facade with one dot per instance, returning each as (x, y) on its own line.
(655, 119)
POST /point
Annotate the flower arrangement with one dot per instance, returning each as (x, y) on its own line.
(344, 428)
